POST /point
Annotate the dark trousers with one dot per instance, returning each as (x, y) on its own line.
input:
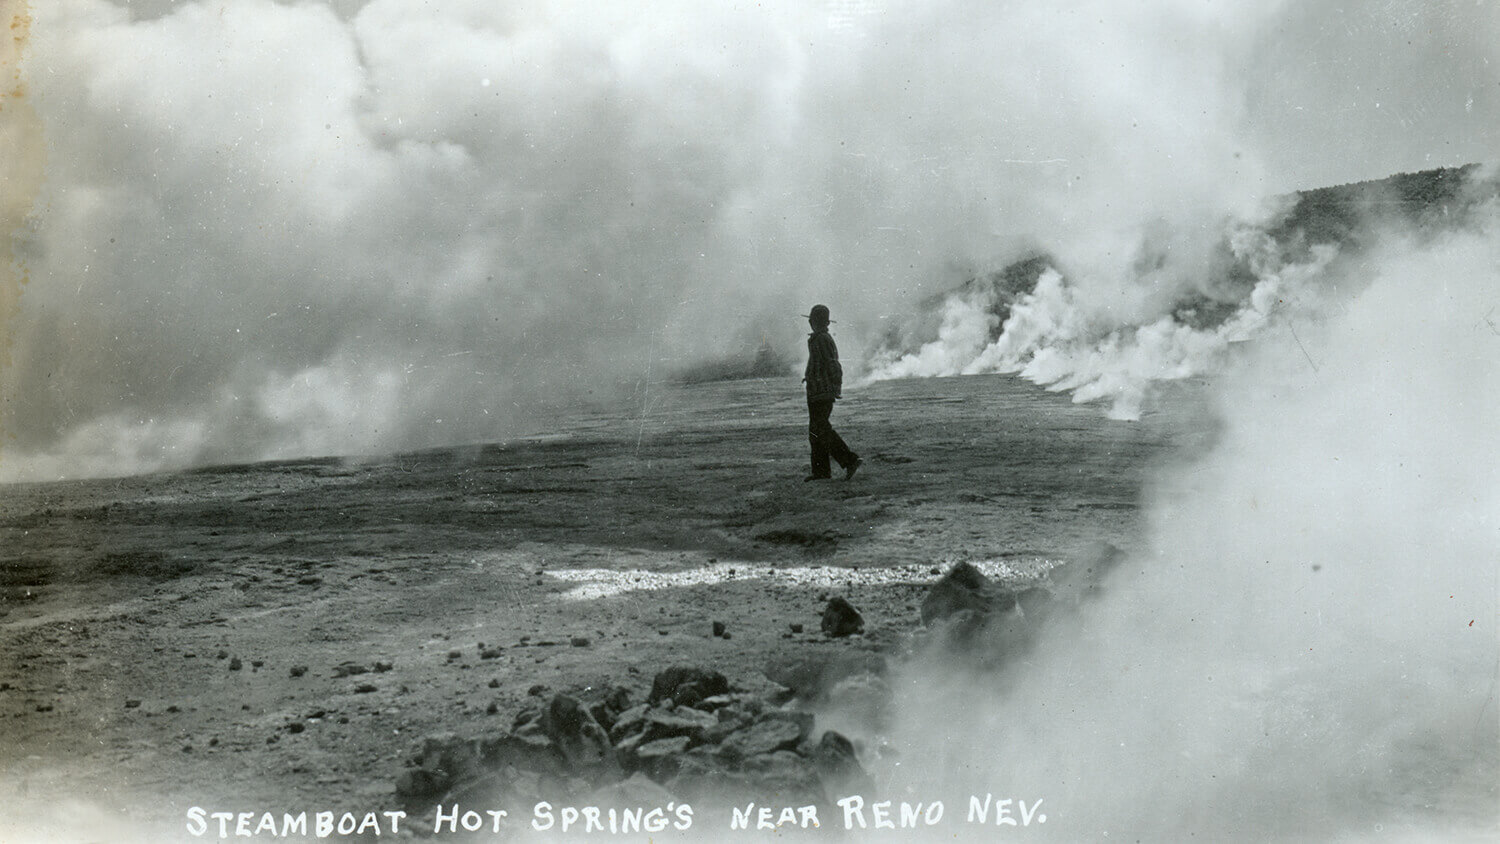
(825, 441)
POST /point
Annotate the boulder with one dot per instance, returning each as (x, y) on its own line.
(811, 677)
(444, 759)
(840, 618)
(772, 731)
(582, 742)
(964, 587)
(687, 685)
(630, 721)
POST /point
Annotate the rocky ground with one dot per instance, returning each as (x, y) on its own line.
(365, 635)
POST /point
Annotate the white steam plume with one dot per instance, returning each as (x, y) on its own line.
(270, 228)
(1307, 647)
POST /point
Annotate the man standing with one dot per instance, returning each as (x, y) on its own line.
(825, 382)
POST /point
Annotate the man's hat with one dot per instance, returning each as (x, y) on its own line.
(819, 313)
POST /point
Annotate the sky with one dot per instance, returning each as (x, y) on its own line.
(244, 229)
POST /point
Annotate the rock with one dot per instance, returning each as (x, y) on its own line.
(686, 685)
(836, 762)
(772, 731)
(840, 618)
(297, 670)
(492, 653)
(382, 667)
(349, 669)
(629, 721)
(452, 655)
(536, 689)
(719, 628)
(132, 704)
(443, 760)
(715, 702)
(963, 587)
(235, 664)
(584, 744)
(417, 786)
(796, 628)
(295, 727)
(811, 678)
(495, 683)
(364, 688)
(579, 641)
(662, 747)
(681, 721)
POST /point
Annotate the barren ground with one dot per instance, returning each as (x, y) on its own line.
(129, 604)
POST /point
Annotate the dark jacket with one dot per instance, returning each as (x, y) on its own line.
(824, 375)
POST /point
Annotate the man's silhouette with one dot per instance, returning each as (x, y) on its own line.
(825, 382)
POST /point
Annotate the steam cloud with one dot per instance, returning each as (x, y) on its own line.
(272, 229)
(1307, 647)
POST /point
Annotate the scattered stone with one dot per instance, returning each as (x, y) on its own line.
(840, 618)
(495, 683)
(317, 714)
(235, 664)
(44, 707)
(727, 635)
(796, 628)
(452, 655)
(718, 628)
(536, 689)
(213, 742)
(297, 670)
(255, 664)
(172, 708)
(492, 709)
(364, 688)
(382, 667)
(491, 653)
(349, 669)
(295, 727)
(579, 641)
(132, 704)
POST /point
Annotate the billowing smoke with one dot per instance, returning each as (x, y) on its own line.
(1306, 647)
(272, 229)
